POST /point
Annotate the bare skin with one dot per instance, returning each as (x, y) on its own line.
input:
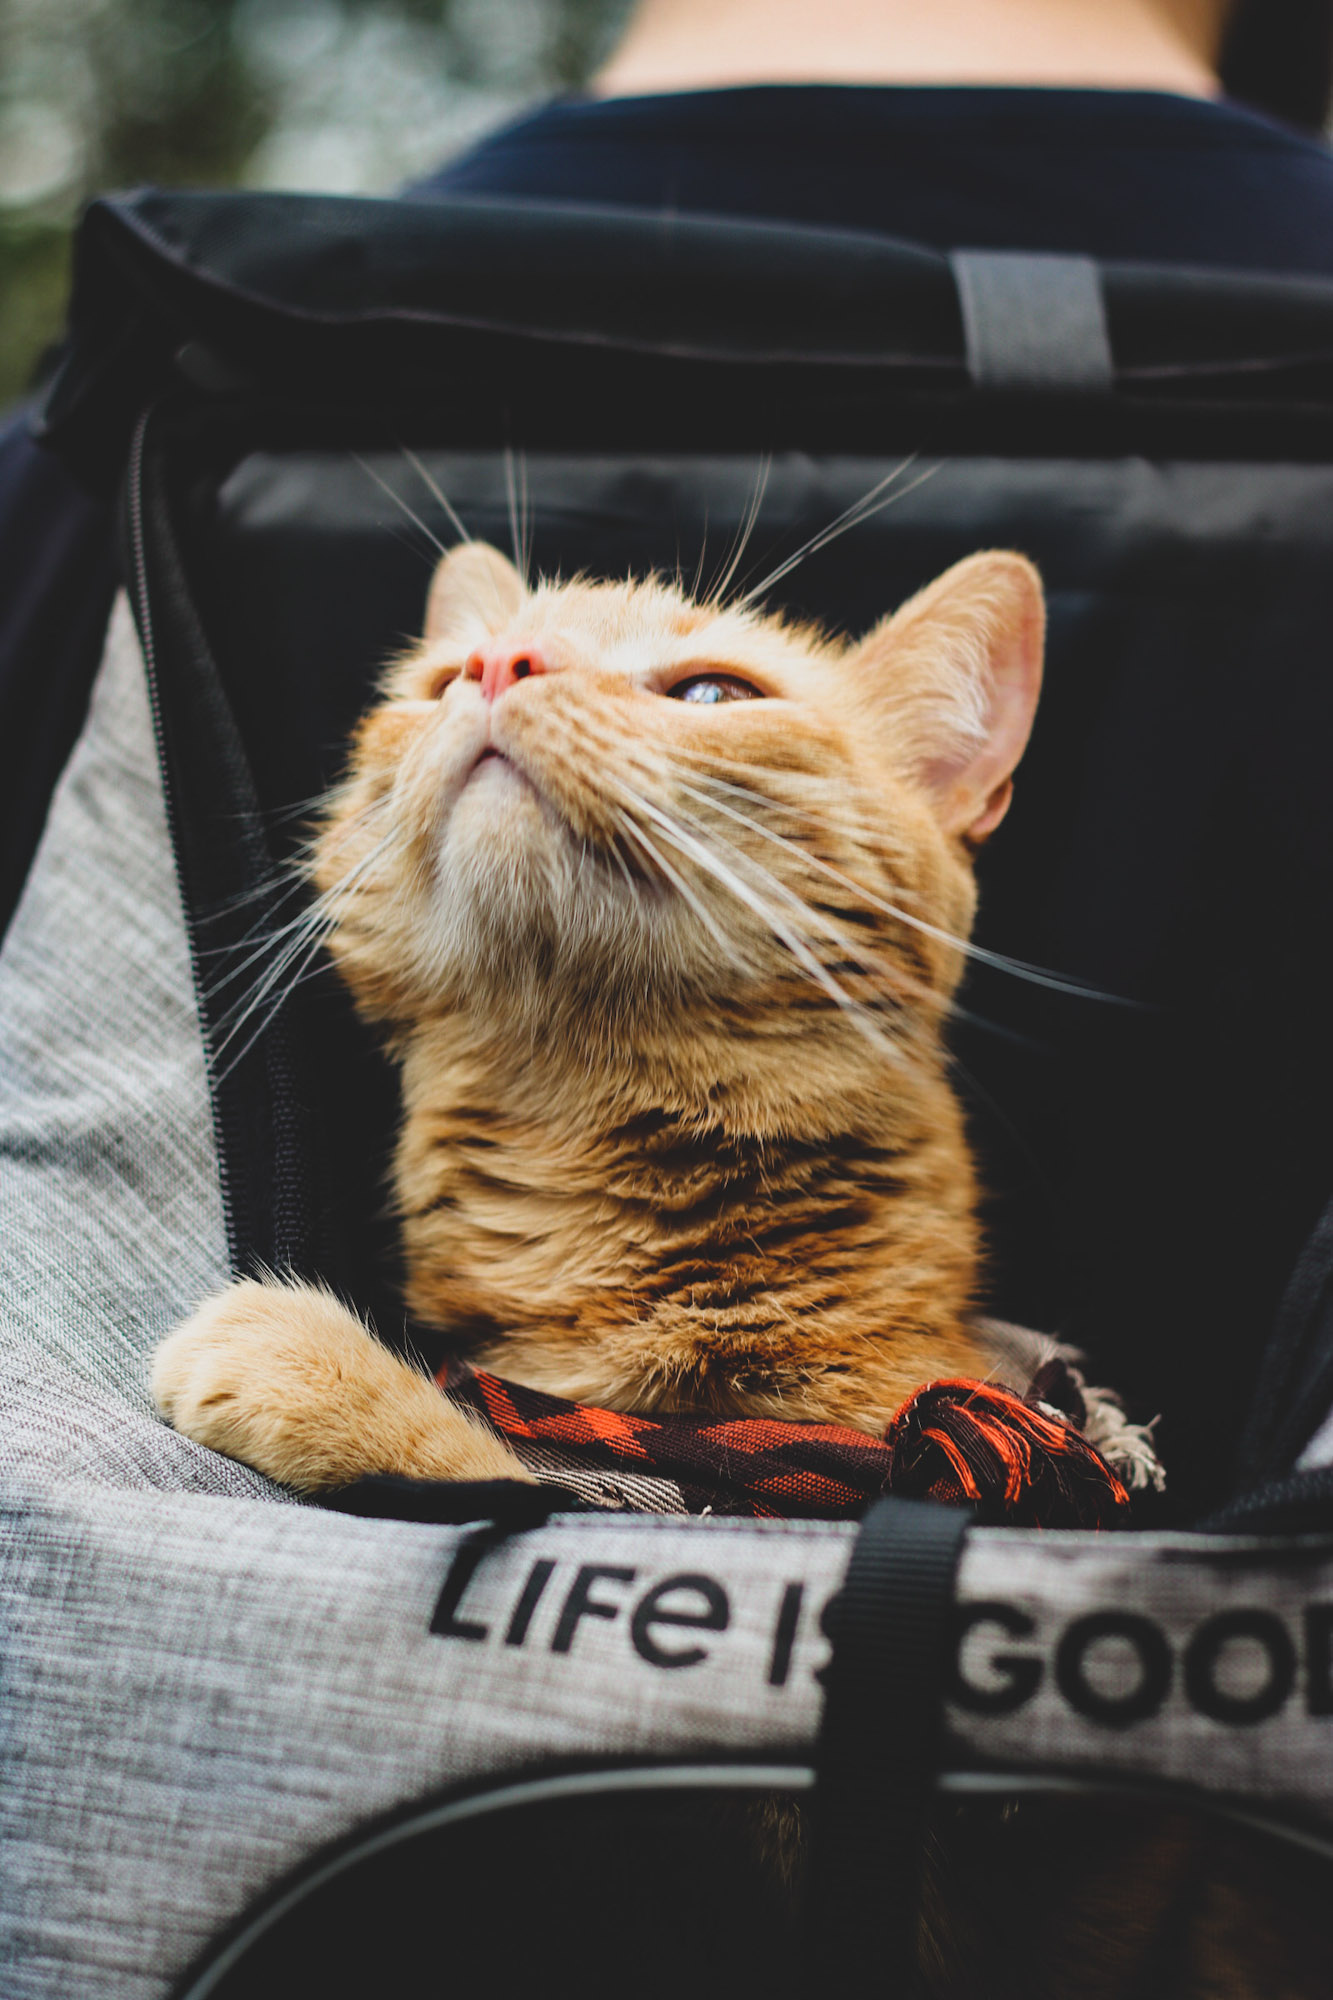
(1170, 45)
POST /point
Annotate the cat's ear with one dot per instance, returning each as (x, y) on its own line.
(953, 679)
(475, 591)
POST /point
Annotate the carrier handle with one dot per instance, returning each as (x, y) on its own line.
(877, 1753)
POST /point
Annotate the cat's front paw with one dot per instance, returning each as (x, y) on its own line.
(285, 1378)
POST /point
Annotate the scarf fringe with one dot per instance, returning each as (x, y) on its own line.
(1017, 1463)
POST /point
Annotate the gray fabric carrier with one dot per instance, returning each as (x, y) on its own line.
(203, 1683)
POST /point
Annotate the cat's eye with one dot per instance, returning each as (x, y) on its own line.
(714, 687)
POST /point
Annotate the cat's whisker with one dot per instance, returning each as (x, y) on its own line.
(706, 858)
(621, 863)
(821, 918)
(895, 980)
(636, 801)
(400, 503)
(886, 493)
(273, 954)
(876, 832)
(263, 1026)
(284, 882)
(308, 929)
(277, 978)
(656, 859)
(918, 991)
(274, 889)
(262, 950)
(998, 961)
(797, 906)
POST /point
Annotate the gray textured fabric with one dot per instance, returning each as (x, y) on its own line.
(109, 1201)
(1033, 321)
(200, 1688)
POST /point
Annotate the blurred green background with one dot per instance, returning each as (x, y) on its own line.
(349, 96)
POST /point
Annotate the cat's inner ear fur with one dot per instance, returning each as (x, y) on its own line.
(951, 681)
(475, 591)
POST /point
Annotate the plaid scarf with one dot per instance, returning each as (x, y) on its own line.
(1018, 1461)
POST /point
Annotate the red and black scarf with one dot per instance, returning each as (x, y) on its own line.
(1018, 1461)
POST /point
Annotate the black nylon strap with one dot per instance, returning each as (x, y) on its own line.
(878, 1746)
(1033, 322)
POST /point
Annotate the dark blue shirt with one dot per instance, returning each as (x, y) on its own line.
(1116, 174)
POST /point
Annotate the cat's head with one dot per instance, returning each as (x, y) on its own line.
(605, 810)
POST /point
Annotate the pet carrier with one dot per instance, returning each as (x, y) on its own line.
(444, 1735)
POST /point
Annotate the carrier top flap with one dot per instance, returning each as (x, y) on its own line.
(319, 295)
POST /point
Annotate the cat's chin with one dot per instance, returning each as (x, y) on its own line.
(495, 800)
(493, 767)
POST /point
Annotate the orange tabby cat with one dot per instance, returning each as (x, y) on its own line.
(661, 906)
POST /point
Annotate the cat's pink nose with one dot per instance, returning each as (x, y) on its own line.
(500, 664)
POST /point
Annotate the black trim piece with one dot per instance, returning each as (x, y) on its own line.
(879, 1742)
(227, 875)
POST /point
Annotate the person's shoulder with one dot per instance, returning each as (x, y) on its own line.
(1137, 175)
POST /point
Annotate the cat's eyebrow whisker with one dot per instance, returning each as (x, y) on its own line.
(748, 523)
(436, 491)
(524, 517)
(703, 549)
(885, 493)
(518, 510)
(399, 502)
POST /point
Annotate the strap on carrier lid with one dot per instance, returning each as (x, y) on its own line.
(1033, 322)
